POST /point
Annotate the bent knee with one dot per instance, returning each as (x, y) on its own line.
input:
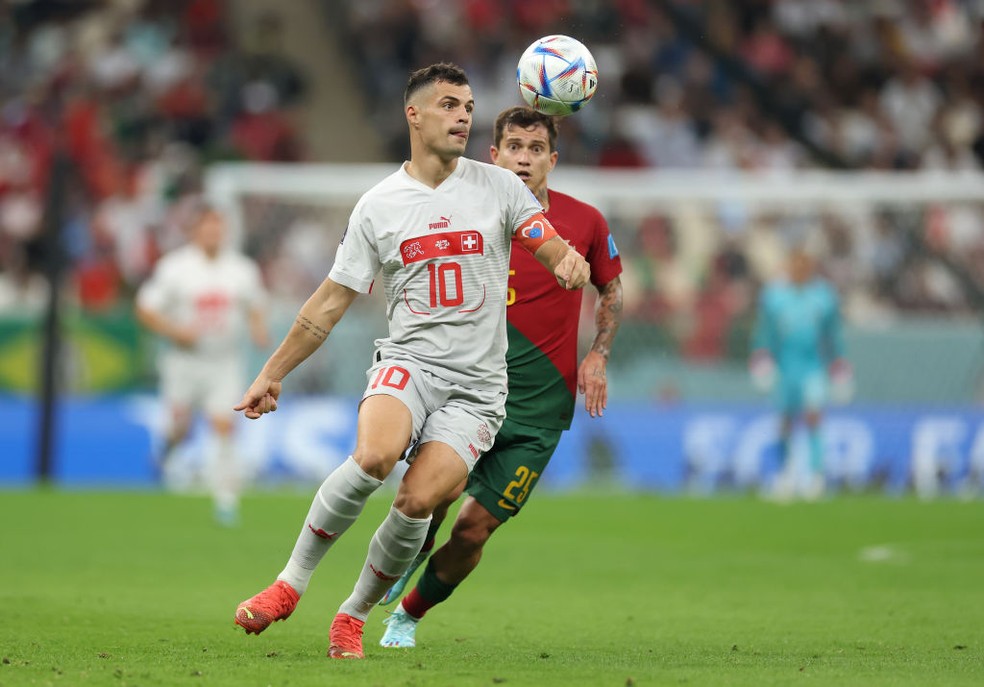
(415, 505)
(375, 463)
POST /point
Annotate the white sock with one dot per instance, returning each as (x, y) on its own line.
(392, 549)
(336, 506)
(223, 472)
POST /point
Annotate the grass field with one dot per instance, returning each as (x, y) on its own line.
(140, 588)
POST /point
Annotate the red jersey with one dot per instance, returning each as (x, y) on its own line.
(543, 317)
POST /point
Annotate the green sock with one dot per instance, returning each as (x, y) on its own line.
(429, 592)
(431, 588)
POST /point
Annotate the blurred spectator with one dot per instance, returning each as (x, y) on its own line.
(724, 296)
(657, 281)
(260, 131)
(910, 101)
(123, 87)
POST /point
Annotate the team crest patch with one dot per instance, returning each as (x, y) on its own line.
(411, 251)
(484, 435)
(442, 245)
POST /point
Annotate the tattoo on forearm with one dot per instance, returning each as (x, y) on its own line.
(320, 333)
(607, 317)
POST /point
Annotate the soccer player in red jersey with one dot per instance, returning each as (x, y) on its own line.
(544, 376)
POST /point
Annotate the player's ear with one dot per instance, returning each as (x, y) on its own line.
(494, 154)
(553, 160)
(413, 116)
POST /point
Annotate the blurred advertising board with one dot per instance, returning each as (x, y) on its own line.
(697, 448)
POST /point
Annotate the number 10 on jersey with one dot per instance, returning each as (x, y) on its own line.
(446, 287)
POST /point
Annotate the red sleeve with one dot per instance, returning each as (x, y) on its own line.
(602, 252)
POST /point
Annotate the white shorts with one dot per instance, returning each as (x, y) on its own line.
(465, 419)
(211, 384)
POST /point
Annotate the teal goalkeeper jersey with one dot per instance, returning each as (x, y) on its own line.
(800, 326)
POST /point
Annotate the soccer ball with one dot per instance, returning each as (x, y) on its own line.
(557, 75)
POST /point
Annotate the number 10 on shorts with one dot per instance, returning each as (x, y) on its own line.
(394, 376)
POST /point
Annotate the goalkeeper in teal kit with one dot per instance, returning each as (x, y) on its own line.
(799, 355)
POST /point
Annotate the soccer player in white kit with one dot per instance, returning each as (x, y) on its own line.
(439, 230)
(202, 299)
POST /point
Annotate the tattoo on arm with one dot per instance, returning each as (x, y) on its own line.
(608, 315)
(320, 333)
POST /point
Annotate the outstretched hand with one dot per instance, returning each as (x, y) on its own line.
(593, 383)
(573, 271)
(260, 398)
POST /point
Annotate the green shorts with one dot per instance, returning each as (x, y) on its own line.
(504, 476)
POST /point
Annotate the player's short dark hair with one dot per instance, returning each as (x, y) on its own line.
(442, 71)
(524, 118)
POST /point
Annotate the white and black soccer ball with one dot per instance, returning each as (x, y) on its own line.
(557, 75)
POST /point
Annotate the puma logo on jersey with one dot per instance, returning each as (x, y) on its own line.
(444, 223)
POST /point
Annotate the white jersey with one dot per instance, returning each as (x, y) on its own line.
(212, 296)
(444, 257)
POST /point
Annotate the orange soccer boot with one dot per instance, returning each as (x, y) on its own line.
(276, 602)
(345, 637)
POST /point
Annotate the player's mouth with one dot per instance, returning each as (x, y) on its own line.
(460, 133)
(524, 175)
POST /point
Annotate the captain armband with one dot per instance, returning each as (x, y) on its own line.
(534, 232)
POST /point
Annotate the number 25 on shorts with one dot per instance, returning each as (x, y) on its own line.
(519, 488)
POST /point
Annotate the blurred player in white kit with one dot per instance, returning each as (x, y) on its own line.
(202, 299)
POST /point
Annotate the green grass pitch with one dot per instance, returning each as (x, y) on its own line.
(124, 588)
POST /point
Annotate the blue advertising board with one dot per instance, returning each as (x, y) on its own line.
(701, 448)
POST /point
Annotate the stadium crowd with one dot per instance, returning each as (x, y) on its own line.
(888, 84)
(145, 94)
(762, 86)
(139, 96)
